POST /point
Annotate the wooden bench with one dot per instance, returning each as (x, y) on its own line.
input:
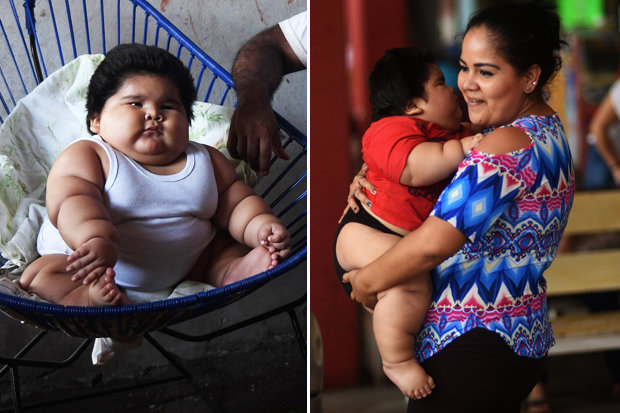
(579, 272)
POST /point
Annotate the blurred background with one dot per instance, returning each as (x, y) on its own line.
(347, 37)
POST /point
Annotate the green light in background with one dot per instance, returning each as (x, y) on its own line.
(581, 13)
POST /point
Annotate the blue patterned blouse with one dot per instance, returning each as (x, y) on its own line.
(513, 208)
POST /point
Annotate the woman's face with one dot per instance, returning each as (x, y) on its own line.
(492, 89)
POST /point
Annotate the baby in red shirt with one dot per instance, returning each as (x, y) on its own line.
(412, 150)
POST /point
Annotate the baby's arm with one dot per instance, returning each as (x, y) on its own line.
(430, 162)
(75, 206)
(245, 215)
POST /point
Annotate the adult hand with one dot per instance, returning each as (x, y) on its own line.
(359, 182)
(359, 293)
(615, 172)
(253, 134)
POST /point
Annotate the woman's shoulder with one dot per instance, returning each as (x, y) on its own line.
(518, 134)
(504, 140)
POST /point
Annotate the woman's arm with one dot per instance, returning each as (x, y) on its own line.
(430, 244)
(604, 117)
(415, 254)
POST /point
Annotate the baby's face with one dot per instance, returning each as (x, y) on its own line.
(442, 105)
(145, 119)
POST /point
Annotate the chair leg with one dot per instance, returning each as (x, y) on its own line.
(299, 335)
(174, 360)
(16, 391)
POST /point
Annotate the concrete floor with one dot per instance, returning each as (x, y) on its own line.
(267, 379)
(576, 383)
(259, 368)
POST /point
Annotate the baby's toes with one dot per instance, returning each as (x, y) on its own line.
(431, 382)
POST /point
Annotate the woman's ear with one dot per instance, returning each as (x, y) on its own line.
(530, 79)
(414, 107)
(94, 123)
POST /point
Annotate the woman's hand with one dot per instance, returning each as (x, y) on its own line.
(615, 172)
(359, 294)
(359, 182)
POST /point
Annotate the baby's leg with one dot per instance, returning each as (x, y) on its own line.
(358, 245)
(397, 318)
(47, 277)
(225, 261)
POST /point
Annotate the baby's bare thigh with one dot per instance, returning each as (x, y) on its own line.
(358, 245)
(53, 263)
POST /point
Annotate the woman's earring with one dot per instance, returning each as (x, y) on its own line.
(531, 87)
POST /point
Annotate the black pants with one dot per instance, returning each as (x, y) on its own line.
(478, 373)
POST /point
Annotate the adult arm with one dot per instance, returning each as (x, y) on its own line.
(414, 255)
(430, 244)
(257, 72)
(603, 118)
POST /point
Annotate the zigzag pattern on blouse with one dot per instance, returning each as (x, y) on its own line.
(514, 208)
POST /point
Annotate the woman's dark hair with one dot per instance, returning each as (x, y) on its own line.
(126, 60)
(524, 34)
(398, 77)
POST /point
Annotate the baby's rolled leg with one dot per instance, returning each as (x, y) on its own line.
(238, 262)
(397, 318)
(353, 253)
(47, 277)
(225, 261)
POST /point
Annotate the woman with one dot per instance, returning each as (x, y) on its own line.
(495, 228)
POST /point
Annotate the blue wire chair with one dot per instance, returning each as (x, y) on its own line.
(31, 56)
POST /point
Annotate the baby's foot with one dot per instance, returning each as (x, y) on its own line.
(256, 261)
(410, 378)
(104, 291)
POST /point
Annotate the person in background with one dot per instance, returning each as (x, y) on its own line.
(257, 72)
(602, 171)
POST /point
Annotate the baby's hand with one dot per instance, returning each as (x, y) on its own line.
(275, 235)
(91, 260)
(470, 142)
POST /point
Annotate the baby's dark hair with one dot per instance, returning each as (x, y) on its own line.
(524, 34)
(129, 59)
(398, 77)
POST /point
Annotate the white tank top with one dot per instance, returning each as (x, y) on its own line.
(164, 221)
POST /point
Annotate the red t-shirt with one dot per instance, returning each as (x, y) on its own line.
(385, 148)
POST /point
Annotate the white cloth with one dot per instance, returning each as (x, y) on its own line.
(614, 129)
(164, 221)
(295, 30)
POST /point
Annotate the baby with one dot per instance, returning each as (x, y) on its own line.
(412, 149)
(135, 206)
